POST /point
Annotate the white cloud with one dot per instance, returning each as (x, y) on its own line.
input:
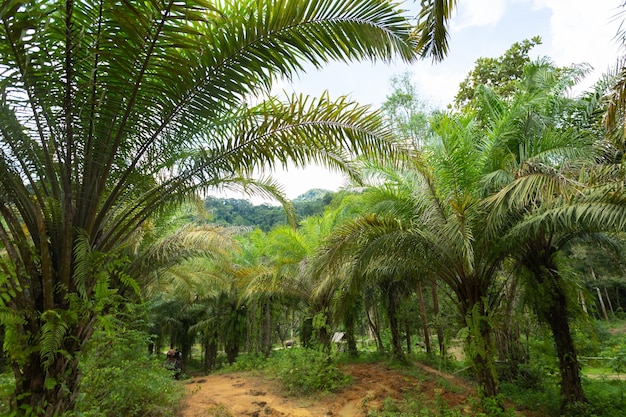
(477, 13)
(583, 31)
(437, 84)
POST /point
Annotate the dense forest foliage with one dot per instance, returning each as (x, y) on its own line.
(241, 212)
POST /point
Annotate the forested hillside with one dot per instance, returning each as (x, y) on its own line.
(241, 212)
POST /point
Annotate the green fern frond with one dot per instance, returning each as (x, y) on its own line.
(53, 332)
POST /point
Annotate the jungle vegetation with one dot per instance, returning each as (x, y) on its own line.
(496, 224)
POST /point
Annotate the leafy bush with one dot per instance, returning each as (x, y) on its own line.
(247, 362)
(120, 378)
(302, 371)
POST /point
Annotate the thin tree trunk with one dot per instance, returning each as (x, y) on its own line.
(440, 333)
(376, 330)
(582, 301)
(420, 297)
(602, 306)
(608, 299)
(407, 332)
(507, 334)
(267, 328)
(394, 324)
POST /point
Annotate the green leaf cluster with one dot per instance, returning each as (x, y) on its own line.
(120, 378)
(303, 371)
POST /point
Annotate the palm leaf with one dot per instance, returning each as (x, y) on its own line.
(431, 30)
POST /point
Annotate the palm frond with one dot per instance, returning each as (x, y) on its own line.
(431, 30)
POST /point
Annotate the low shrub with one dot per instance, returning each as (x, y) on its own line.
(303, 371)
(120, 378)
(247, 362)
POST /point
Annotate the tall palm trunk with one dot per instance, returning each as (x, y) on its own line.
(350, 323)
(49, 390)
(571, 386)
(325, 339)
(479, 346)
(552, 308)
(233, 334)
(210, 350)
(555, 313)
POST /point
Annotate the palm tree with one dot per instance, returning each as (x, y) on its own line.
(110, 114)
(432, 224)
(548, 143)
(292, 250)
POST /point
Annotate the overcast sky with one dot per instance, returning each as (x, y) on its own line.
(573, 31)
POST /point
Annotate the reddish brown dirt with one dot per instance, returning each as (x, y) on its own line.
(243, 394)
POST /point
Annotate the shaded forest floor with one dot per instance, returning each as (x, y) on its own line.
(375, 388)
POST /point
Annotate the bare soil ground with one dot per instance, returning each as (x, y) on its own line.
(244, 394)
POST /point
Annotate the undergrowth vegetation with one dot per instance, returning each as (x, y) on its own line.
(122, 379)
(532, 387)
(300, 371)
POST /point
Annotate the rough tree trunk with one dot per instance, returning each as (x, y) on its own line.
(350, 322)
(210, 351)
(53, 390)
(557, 318)
(552, 308)
(480, 349)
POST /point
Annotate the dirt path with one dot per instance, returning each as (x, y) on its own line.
(242, 394)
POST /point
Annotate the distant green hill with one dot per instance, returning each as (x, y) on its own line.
(241, 212)
(315, 194)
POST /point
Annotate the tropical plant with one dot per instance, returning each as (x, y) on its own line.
(428, 223)
(548, 152)
(615, 114)
(116, 351)
(432, 28)
(110, 114)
